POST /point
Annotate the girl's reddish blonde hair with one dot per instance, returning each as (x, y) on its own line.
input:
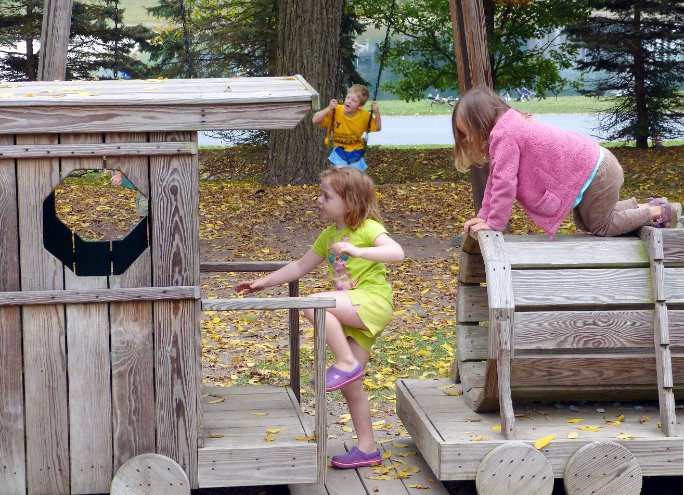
(358, 193)
(477, 112)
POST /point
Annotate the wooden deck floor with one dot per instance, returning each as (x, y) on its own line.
(402, 455)
(453, 439)
(236, 451)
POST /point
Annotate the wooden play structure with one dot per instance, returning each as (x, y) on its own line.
(576, 318)
(100, 364)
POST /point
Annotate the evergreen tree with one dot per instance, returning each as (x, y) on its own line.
(635, 47)
(95, 46)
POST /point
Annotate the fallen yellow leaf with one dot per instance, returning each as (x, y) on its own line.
(274, 431)
(625, 436)
(573, 435)
(212, 435)
(543, 442)
(453, 393)
(589, 428)
(575, 420)
(496, 428)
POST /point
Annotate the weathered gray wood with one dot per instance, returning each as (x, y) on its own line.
(132, 336)
(461, 452)
(319, 394)
(653, 241)
(338, 481)
(12, 458)
(151, 474)
(76, 149)
(586, 252)
(174, 197)
(473, 342)
(603, 468)
(315, 97)
(54, 40)
(44, 339)
(472, 303)
(90, 410)
(135, 168)
(69, 164)
(43, 297)
(673, 247)
(293, 330)
(514, 468)
(637, 369)
(674, 285)
(471, 268)
(582, 288)
(583, 331)
(266, 303)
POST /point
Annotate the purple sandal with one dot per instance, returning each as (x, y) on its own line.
(336, 378)
(356, 458)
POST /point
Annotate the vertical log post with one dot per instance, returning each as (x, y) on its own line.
(54, 40)
(473, 66)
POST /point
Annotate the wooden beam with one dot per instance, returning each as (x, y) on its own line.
(96, 150)
(36, 297)
(54, 40)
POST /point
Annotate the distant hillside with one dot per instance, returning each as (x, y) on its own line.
(134, 11)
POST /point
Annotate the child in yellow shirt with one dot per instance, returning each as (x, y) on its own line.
(351, 120)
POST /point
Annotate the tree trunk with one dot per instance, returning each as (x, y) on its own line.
(473, 66)
(308, 37)
(54, 40)
(639, 54)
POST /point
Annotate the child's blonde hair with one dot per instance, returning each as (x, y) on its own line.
(361, 91)
(358, 193)
(477, 111)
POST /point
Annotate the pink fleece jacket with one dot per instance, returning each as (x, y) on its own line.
(541, 166)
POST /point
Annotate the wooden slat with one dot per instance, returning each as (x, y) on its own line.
(472, 303)
(133, 394)
(172, 117)
(582, 288)
(338, 481)
(583, 370)
(44, 343)
(585, 251)
(319, 394)
(96, 150)
(673, 246)
(654, 244)
(12, 458)
(583, 331)
(676, 326)
(471, 268)
(90, 408)
(42, 297)
(674, 286)
(175, 262)
(473, 342)
(264, 303)
(87, 330)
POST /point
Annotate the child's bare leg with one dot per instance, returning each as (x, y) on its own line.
(358, 404)
(344, 313)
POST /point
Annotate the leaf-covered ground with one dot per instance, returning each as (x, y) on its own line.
(424, 202)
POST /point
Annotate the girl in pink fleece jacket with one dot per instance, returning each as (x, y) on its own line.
(548, 170)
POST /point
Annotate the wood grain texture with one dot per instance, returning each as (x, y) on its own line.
(70, 163)
(673, 246)
(472, 303)
(471, 268)
(263, 303)
(241, 266)
(603, 468)
(674, 286)
(72, 149)
(174, 203)
(132, 341)
(76, 296)
(12, 458)
(514, 468)
(151, 474)
(44, 338)
(54, 38)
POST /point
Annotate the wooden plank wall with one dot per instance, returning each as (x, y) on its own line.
(12, 458)
(44, 332)
(175, 261)
(132, 336)
(58, 437)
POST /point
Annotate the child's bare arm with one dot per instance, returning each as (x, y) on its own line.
(376, 115)
(288, 273)
(321, 114)
(384, 250)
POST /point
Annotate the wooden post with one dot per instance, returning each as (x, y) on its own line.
(473, 66)
(54, 40)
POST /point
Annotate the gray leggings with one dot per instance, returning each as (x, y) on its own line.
(601, 212)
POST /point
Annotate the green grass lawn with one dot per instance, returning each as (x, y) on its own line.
(560, 104)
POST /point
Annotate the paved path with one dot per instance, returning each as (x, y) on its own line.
(429, 129)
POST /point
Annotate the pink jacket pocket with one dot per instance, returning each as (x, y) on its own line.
(547, 206)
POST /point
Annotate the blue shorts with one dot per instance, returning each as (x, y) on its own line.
(341, 158)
